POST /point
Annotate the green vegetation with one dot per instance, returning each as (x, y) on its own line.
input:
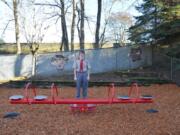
(11, 48)
(1, 41)
(159, 23)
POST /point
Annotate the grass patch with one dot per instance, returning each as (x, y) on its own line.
(11, 48)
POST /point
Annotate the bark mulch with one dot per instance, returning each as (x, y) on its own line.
(119, 119)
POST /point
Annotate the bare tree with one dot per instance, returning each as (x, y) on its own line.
(107, 10)
(64, 41)
(79, 27)
(82, 24)
(63, 7)
(78, 20)
(34, 29)
(98, 24)
(73, 24)
(118, 25)
(14, 9)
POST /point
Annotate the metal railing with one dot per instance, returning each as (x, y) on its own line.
(167, 67)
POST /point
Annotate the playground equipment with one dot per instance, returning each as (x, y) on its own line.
(80, 104)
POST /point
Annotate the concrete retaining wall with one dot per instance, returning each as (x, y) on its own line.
(101, 60)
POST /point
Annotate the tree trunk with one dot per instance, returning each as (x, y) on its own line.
(33, 65)
(64, 41)
(102, 37)
(98, 24)
(82, 25)
(73, 25)
(15, 10)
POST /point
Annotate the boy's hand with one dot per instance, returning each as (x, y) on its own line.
(75, 78)
(88, 78)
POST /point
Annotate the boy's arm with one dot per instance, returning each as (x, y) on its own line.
(74, 67)
(75, 77)
(88, 77)
(89, 67)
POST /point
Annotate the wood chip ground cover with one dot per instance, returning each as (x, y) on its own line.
(119, 119)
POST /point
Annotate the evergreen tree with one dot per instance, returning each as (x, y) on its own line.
(159, 22)
(169, 28)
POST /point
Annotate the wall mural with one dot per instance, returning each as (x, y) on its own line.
(59, 60)
(135, 54)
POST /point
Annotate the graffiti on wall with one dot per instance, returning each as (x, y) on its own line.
(59, 61)
(135, 54)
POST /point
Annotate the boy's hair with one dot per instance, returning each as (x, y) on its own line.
(82, 51)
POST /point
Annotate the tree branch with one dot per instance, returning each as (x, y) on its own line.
(7, 4)
(6, 26)
(47, 4)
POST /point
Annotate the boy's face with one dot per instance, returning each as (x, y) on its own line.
(81, 55)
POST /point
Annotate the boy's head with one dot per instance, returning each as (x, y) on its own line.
(81, 54)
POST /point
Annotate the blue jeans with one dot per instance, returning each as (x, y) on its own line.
(81, 82)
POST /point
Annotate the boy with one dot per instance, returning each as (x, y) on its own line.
(81, 74)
